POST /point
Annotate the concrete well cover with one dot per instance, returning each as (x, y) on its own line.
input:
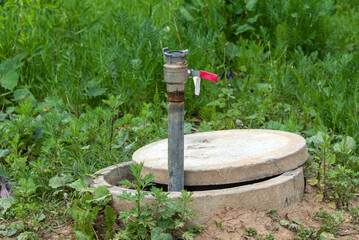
(231, 156)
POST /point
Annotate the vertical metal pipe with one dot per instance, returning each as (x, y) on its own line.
(175, 146)
(176, 75)
(175, 98)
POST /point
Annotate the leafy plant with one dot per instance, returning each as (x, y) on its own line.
(342, 184)
(27, 236)
(322, 146)
(332, 221)
(272, 213)
(10, 230)
(251, 231)
(266, 237)
(160, 219)
(355, 215)
(337, 182)
(143, 219)
(301, 231)
(113, 103)
(85, 210)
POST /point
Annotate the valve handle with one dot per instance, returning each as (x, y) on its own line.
(209, 76)
(197, 75)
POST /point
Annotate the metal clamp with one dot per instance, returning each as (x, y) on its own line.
(175, 56)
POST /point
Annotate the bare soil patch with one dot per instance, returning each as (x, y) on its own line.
(232, 223)
(66, 232)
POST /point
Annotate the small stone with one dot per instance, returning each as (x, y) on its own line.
(239, 123)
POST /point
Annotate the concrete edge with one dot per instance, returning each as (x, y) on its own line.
(281, 192)
(237, 175)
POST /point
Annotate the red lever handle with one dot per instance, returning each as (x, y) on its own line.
(209, 76)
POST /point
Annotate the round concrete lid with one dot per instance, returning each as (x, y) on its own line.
(224, 157)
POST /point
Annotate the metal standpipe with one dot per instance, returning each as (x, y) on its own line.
(175, 75)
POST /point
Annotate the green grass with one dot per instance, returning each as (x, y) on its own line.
(81, 84)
